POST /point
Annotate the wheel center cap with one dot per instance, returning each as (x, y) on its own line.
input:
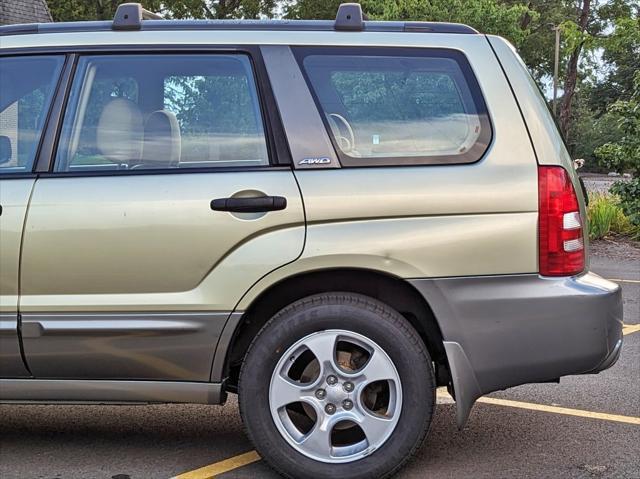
(336, 394)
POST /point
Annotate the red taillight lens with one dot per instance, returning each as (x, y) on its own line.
(560, 240)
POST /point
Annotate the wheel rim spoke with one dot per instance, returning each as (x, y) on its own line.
(318, 440)
(377, 368)
(284, 391)
(323, 348)
(375, 428)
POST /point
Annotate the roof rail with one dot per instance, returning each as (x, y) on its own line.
(349, 17)
(129, 16)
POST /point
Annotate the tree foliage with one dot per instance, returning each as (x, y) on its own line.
(621, 57)
(624, 155)
(74, 10)
(490, 16)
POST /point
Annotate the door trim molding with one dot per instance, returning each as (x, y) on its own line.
(107, 391)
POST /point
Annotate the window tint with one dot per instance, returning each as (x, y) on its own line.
(26, 89)
(386, 106)
(162, 111)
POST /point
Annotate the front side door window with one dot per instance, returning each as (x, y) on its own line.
(27, 84)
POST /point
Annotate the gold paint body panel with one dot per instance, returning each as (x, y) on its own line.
(14, 198)
(152, 242)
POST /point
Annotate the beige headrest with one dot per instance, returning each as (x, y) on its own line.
(162, 140)
(119, 135)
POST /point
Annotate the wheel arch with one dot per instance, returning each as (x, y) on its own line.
(392, 290)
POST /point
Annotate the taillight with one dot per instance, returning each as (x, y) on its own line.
(560, 235)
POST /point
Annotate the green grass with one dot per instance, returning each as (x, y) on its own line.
(606, 218)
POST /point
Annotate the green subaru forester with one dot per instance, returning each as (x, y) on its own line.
(330, 219)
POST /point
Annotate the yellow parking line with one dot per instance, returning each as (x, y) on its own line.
(625, 280)
(212, 470)
(630, 328)
(444, 398)
(561, 410)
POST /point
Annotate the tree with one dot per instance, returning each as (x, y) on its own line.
(624, 155)
(571, 78)
(74, 10)
(489, 16)
(537, 47)
(621, 58)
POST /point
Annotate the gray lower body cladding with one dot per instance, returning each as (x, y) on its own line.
(499, 332)
(503, 331)
(105, 391)
(170, 346)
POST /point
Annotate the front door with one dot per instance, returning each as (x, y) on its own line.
(163, 207)
(27, 85)
(14, 197)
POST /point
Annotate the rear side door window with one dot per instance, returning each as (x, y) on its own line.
(27, 85)
(385, 106)
(157, 112)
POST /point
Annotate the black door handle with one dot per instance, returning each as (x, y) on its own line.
(260, 204)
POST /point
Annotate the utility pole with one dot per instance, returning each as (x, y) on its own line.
(555, 70)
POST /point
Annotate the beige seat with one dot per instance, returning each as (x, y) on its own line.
(120, 132)
(162, 141)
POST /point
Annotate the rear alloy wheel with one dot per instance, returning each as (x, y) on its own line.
(335, 396)
(337, 385)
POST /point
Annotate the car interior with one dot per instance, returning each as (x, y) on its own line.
(384, 106)
(163, 112)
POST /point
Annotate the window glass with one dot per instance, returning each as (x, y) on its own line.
(218, 116)
(382, 107)
(162, 111)
(27, 86)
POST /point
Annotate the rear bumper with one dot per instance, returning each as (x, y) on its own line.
(502, 331)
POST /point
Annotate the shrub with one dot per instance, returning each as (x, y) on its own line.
(624, 154)
(629, 194)
(607, 217)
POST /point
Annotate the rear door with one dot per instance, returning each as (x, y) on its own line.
(27, 85)
(167, 200)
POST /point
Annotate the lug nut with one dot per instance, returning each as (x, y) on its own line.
(348, 387)
(321, 393)
(347, 404)
(330, 408)
(331, 380)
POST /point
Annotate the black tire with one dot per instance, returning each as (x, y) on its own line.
(367, 317)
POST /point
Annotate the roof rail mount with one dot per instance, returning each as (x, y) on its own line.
(129, 16)
(349, 17)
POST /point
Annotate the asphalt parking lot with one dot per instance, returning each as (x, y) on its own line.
(585, 427)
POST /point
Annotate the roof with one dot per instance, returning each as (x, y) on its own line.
(149, 40)
(24, 11)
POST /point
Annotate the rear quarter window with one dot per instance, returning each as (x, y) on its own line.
(388, 106)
